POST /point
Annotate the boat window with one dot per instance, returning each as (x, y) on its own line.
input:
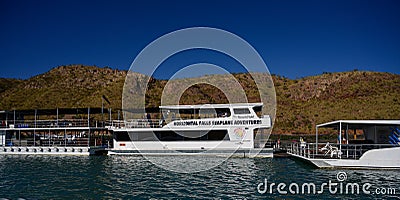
(213, 135)
(172, 115)
(144, 136)
(258, 110)
(192, 135)
(223, 112)
(217, 135)
(241, 111)
(213, 113)
(121, 136)
(207, 113)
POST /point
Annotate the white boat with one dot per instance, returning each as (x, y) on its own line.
(208, 129)
(361, 144)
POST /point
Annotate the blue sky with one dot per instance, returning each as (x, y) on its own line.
(295, 38)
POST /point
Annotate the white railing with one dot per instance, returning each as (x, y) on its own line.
(46, 142)
(328, 150)
(137, 123)
(44, 123)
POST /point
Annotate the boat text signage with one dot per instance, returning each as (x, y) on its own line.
(217, 122)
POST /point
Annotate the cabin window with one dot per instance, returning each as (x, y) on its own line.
(223, 112)
(218, 135)
(258, 111)
(241, 111)
(202, 113)
(213, 113)
(121, 136)
(192, 135)
(213, 135)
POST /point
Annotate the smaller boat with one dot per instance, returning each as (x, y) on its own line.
(361, 144)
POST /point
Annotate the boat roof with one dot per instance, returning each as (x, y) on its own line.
(204, 106)
(359, 123)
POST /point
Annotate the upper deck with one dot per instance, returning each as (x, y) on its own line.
(212, 106)
(198, 116)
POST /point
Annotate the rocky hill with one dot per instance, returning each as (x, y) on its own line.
(301, 103)
(65, 87)
(331, 96)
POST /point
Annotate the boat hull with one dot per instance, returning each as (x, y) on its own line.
(387, 158)
(265, 152)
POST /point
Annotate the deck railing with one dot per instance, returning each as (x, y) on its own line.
(334, 151)
(46, 142)
(45, 123)
(49, 133)
(137, 123)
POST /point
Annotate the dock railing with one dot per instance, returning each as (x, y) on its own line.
(333, 151)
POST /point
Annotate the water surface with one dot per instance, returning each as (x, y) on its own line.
(133, 177)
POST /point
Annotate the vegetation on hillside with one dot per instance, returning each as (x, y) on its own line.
(347, 95)
(7, 83)
(74, 86)
(301, 103)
